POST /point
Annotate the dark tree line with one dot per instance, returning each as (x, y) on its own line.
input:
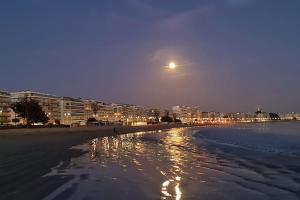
(168, 119)
(274, 116)
(30, 110)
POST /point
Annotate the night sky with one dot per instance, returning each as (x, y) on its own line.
(233, 55)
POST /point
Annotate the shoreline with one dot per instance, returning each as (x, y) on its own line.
(108, 130)
(99, 131)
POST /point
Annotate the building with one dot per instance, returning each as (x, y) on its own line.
(5, 111)
(187, 114)
(196, 113)
(153, 115)
(130, 114)
(138, 115)
(90, 109)
(72, 111)
(49, 103)
(204, 116)
(288, 116)
(106, 113)
(262, 116)
(184, 113)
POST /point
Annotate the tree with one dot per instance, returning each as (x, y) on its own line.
(15, 120)
(91, 120)
(166, 118)
(178, 120)
(57, 122)
(156, 115)
(175, 119)
(30, 110)
(274, 116)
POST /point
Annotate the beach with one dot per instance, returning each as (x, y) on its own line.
(244, 161)
(28, 154)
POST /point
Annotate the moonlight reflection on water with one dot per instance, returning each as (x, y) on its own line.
(134, 147)
(175, 164)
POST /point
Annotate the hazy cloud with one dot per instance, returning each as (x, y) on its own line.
(185, 19)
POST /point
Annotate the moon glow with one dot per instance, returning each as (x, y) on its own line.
(172, 65)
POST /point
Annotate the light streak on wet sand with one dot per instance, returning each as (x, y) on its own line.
(170, 164)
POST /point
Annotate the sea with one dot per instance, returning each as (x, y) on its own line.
(246, 161)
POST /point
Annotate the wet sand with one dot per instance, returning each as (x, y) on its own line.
(178, 163)
(175, 164)
(26, 155)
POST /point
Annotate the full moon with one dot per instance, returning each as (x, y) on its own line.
(172, 65)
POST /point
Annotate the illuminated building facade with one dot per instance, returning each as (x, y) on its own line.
(72, 111)
(186, 114)
(49, 103)
(90, 109)
(68, 111)
(289, 116)
(103, 112)
(5, 111)
(130, 114)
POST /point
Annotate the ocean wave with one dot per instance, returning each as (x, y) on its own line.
(270, 140)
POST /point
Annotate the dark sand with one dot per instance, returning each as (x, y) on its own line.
(26, 155)
(183, 163)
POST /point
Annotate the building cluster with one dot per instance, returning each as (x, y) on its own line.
(72, 111)
(289, 116)
(194, 115)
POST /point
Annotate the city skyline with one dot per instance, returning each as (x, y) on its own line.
(232, 55)
(99, 100)
(71, 111)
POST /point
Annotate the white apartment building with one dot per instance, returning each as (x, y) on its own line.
(72, 110)
(5, 111)
(49, 103)
(106, 113)
(289, 116)
(186, 114)
(263, 116)
(90, 109)
(129, 114)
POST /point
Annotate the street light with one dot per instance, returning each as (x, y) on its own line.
(67, 116)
